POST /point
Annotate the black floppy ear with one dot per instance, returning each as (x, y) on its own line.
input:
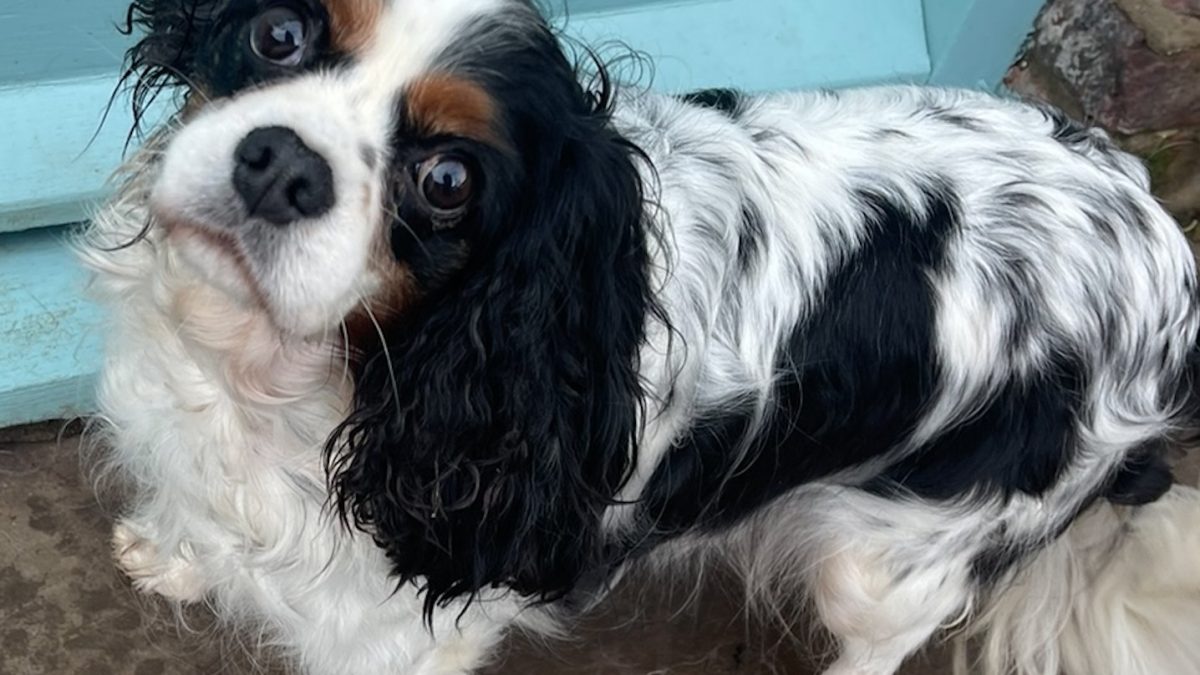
(501, 421)
(161, 60)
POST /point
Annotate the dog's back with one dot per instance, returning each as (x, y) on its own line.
(916, 333)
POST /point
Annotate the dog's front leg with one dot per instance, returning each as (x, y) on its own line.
(171, 574)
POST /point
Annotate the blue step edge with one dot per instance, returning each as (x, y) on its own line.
(50, 337)
(60, 141)
(972, 43)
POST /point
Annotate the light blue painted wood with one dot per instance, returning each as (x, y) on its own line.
(759, 45)
(53, 168)
(49, 107)
(56, 156)
(49, 342)
(44, 40)
(59, 61)
(559, 8)
(972, 42)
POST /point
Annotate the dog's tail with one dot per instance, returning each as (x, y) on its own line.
(1117, 594)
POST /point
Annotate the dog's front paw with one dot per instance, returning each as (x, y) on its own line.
(172, 576)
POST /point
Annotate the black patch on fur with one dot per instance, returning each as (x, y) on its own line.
(889, 133)
(726, 101)
(750, 237)
(434, 259)
(1143, 478)
(485, 445)
(955, 118)
(853, 381)
(991, 563)
(1021, 286)
(1020, 442)
(1066, 130)
(1084, 138)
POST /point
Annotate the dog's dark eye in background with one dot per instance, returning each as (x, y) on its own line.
(223, 47)
(446, 184)
(280, 35)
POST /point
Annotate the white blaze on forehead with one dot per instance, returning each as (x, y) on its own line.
(410, 35)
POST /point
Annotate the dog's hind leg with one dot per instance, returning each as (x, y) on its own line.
(880, 612)
(886, 575)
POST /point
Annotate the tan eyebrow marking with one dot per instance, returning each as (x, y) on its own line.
(353, 22)
(453, 106)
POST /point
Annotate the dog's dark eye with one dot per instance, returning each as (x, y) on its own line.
(445, 182)
(280, 34)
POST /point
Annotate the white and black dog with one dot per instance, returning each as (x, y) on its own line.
(419, 334)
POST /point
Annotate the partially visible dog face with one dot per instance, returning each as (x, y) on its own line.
(346, 154)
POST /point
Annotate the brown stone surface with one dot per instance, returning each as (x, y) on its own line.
(1167, 29)
(1187, 7)
(64, 609)
(1092, 49)
(1173, 158)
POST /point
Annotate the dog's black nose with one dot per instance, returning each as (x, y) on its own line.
(279, 178)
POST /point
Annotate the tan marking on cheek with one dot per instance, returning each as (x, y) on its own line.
(397, 291)
(352, 23)
(452, 106)
(367, 324)
(397, 287)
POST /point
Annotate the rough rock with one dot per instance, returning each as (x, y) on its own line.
(1173, 158)
(1188, 7)
(1093, 50)
(1169, 29)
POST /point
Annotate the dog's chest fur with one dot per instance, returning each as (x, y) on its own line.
(217, 407)
(217, 423)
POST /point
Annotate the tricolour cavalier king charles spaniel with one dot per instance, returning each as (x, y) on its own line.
(421, 333)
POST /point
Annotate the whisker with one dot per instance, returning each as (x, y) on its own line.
(387, 356)
(345, 350)
(397, 218)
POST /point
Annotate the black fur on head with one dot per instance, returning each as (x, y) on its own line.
(161, 59)
(488, 437)
(201, 47)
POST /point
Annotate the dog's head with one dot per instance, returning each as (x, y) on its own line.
(431, 176)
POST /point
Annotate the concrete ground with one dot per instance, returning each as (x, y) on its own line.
(64, 609)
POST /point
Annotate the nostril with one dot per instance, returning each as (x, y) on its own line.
(255, 150)
(311, 191)
(298, 195)
(297, 188)
(279, 178)
(257, 157)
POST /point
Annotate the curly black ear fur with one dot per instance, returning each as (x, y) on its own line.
(161, 58)
(501, 420)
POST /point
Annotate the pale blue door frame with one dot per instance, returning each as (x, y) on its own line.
(59, 61)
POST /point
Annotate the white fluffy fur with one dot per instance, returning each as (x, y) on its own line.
(217, 420)
(218, 405)
(1119, 590)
